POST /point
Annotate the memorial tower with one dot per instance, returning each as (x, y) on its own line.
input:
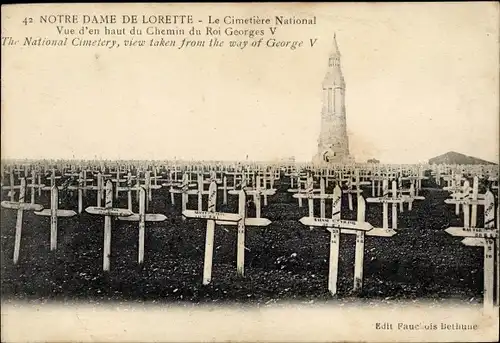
(333, 143)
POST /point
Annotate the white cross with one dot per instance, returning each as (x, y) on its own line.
(108, 211)
(54, 212)
(20, 206)
(142, 217)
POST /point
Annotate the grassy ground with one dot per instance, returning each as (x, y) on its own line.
(285, 261)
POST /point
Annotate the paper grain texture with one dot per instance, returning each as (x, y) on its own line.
(243, 81)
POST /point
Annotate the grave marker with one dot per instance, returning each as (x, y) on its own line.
(20, 206)
(350, 184)
(11, 186)
(211, 216)
(385, 200)
(242, 224)
(336, 226)
(484, 237)
(185, 191)
(412, 197)
(142, 217)
(34, 185)
(108, 211)
(255, 192)
(54, 212)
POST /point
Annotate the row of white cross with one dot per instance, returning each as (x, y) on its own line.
(184, 186)
(462, 195)
(345, 175)
(394, 197)
(468, 198)
(340, 172)
(54, 212)
(239, 220)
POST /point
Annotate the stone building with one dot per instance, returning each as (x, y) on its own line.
(333, 143)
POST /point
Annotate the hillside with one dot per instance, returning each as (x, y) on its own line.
(457, 158)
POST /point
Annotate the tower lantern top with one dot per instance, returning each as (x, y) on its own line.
(334, 60)
(334, 77)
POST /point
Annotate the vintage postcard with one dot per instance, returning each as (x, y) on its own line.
(260, 172)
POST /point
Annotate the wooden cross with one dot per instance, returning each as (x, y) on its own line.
(211, 216)
(129, 188)
(185, 191)
(72, 171)
(171, 184)
(108, 211)
(20, 206)
(411, 197)
(401, 190)
(308, 188)
(256, 192)
(80, 187)
(292, 175)
(11, 186)
(21, 171)
(378, 180)
(484, 237)
(142, 217)
(436, 172)
(454, 182)
(155, 177)
(148, 186)
(99, 188)
(466, 199)
(360, 240)
(212, 177)
(201, 191)
(235, 175)
(386, 200)
(330, 176)
(34, 185)
(350, 190)
(242, 224)
(53, 180)
(455, 187)
(102, 171)
(264, 177)
(201, 182)
(418, 178)
(322, 196)
(301, 180)
(84, 178)
(175, 170)
(117, 181)
(54, 212)
(336, 226)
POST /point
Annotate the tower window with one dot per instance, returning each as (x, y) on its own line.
(334, 101)
(330, 99)
(330, 63)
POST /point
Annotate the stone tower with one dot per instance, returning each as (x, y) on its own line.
(333, 144)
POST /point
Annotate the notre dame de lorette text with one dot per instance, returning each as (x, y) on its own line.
(179, 31)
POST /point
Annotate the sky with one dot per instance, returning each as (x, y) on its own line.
(421, 80)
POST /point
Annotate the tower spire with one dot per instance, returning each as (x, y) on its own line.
(335, 49)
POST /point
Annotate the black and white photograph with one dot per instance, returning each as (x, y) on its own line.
(251, 172)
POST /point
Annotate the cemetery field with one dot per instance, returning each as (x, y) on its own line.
(285, 261)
